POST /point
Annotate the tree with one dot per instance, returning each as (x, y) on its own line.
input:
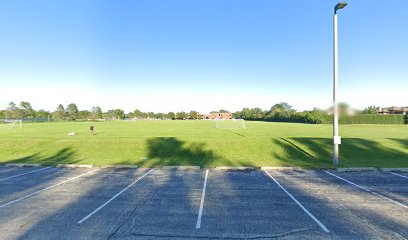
(282, 107)
(119, 114)
(72, 111)
(371, 110)
(129, 115)
(96, 113)
(42, 114)
(12, 106)
(14, 111)
(138, 114)
(59, 113)
(171, 115)
(110, 114)
(160, 115)
(181, 115)
(28, 111)
(151, 115)
(84, 114)
(256, 114)
(193, 114)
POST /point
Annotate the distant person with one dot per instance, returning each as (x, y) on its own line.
(92, 130)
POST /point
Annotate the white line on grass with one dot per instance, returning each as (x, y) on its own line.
(200, 213)
(22, 174)
(368, 190)
(112, 198)
(44, 189)
(299, 204)
(399, 175)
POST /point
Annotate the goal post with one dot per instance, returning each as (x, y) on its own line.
(10, 124)
(230, 123)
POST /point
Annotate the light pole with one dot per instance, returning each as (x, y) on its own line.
(336, 137)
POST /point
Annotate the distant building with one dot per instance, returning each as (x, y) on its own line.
(394, 110)
(226, 115)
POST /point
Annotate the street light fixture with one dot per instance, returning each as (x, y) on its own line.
(339, 5)
(336, 137)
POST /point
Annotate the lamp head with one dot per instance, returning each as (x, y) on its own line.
(339, 5)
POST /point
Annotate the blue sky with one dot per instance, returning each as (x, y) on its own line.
(201, 55)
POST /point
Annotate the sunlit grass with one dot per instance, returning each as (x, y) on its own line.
(158, 143)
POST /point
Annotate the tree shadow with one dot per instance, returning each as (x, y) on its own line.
(42, 178)
(63, 156)
(403, 142)
(354, 152)
(172, 151)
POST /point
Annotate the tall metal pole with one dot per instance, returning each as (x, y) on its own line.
(336, 137)
(335, 106)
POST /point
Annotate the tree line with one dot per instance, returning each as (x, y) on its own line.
(283, 112)
(71, 113)
(280, 112)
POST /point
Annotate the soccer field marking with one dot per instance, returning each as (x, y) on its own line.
(299, 204)
(22, 174)
(396, 174)
(200, 212)
(44, 189)
(112, 198)
(367, 190)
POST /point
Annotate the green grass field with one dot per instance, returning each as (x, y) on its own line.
(159, 143)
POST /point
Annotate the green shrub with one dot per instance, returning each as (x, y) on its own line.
(372, 119)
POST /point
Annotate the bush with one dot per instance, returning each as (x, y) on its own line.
(373, 119)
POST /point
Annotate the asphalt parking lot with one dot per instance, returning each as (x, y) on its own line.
(63, 203)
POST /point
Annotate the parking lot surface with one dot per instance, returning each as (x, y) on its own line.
(63, 203)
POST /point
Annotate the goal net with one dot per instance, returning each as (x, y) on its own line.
(230, 123)
(10, 124)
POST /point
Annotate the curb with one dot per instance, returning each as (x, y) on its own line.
(394, 169)
(282, 168)
(75, 166)
(357, 169)
(23, 165)
(181, 167)
(234, 168)
(120, 166)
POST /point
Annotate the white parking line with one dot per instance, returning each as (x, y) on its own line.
(368, 190)
(44, 189)
(22, 174)
(399, 175)
(200, 213)
(299, 204)
(112, 198)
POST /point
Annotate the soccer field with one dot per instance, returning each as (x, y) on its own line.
(159, 143)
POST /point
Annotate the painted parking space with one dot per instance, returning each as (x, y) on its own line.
(387, 185)
(348, 211)
(400, 174)
(54, 213)
(169, 210)
(16, 187)
(250, 205)
(7, 172)
(190, 204)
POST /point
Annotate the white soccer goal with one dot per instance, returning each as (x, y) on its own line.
(10, 124)
(230, 123)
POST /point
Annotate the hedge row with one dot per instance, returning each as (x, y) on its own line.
(319, 118)
(373, 119)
